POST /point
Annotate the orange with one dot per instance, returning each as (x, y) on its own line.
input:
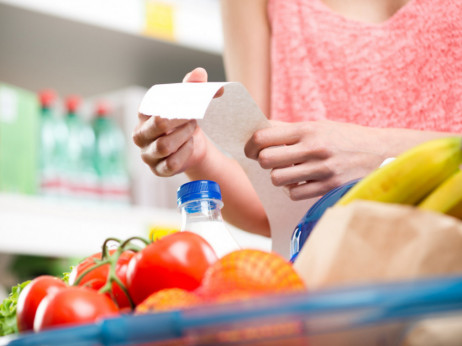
(168, 299)
(249, 272)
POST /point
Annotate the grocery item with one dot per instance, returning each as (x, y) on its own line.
(178, 260)
(168, 299)
(8, 322)
(447, 197)
(310, 219)
(156, 231)
(411, 176)
(81, 180)
(32, 296)
(249, 272)
(53, 141)
(200, 204)
(92, 273)
(72, 306)
(19, 140)
(371, 242)
(110, 157)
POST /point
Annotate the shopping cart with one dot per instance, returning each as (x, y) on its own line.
(379, 314)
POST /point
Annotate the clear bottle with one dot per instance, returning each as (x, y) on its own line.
(200, 204)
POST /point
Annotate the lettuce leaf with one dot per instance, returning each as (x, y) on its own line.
(8, 310)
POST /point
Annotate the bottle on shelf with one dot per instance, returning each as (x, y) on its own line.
(53, 137)
(200, 204)
(110, 157)
(81, 178)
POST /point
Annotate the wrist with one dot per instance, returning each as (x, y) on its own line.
(386, 142)
(395, 141)
(201, 161)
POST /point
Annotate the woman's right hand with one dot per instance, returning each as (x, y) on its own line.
(171, 146)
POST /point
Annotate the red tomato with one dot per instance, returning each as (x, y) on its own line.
(178, 260)
(71, 306)
(30, 298)
(98, 276)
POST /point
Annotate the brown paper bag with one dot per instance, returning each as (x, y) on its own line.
(442, 331)
(370, 242)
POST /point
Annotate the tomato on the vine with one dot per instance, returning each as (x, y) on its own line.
(98, 276)
(73, 305)
(30, 298)
(178, 260)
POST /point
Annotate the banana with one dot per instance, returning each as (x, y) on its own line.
(447, 197)
(412, 175)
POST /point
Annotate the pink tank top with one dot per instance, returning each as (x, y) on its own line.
(405, 72)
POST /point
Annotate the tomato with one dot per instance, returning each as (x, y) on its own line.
(178, 260)
(30, 298)
(97, 278)
(73, 305)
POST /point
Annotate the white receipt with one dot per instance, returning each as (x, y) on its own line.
(229, 121)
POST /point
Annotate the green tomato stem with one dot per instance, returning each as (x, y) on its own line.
(98, 263)
(104, 249)
(112, 277)
(129, 240)
(112, 260)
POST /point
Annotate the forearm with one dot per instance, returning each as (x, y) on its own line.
(242, 206)
(246, 53)
(397, 140)
(246, 58)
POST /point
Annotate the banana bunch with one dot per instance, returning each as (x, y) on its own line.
(427, 176)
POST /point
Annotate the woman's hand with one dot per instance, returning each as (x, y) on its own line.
(311, 158)
(171, 146)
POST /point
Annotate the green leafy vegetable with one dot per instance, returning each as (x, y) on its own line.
(8, 310)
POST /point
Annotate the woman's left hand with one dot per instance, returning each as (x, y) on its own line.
(310, 158)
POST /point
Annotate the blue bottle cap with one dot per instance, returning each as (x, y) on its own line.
(199, 189)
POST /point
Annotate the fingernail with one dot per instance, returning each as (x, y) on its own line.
(161, 168)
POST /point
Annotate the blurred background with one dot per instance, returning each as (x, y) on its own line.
(72, 74)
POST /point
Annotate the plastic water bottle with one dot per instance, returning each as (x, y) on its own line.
(53, 137)
(110, 157)
(312, 216)
(81, 177)
(200, 204)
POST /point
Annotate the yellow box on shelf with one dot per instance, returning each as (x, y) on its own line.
(158, 231)
(160, 20)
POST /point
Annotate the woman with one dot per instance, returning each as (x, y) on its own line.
(347, 85)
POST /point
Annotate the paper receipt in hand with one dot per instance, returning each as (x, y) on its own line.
(229, 121)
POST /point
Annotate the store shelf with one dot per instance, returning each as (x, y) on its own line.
(33, 225)
(42, 49)
(37, 226)
(184, 22)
